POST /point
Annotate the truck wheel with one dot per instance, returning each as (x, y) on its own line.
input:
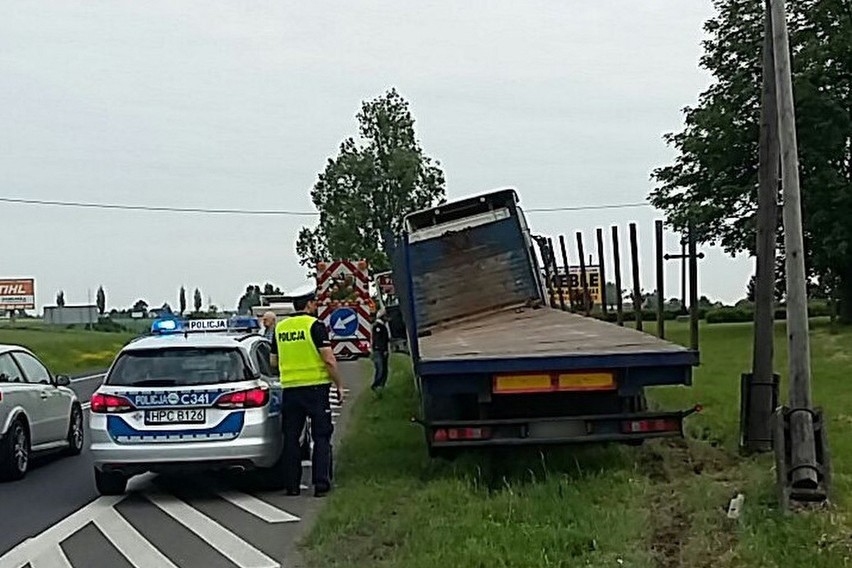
(110, 482)
(15, 452)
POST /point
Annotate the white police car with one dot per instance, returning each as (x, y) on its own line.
(197, 394)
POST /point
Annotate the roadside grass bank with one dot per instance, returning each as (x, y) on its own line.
(66, 351)
(661, 505)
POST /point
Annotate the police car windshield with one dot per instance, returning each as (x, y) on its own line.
(177, 367)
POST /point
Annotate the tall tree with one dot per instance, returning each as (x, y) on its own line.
(182, 300)
(366, 190)
(197, 300)
(101, 300)
(60, 299)
(713, 180)
(250, 299)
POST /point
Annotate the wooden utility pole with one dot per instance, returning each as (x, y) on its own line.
(556, 278)
(567, 281)
(760, 391)
(616, 259)
(693, 287)
(661, 295)
(584, 280)
(601, 270)
(803, 445)
(637, 289)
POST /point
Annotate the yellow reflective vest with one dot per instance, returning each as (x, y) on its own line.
(299, 361)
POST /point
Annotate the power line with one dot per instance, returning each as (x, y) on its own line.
(586, 207)
(279, 213)
(153, 208)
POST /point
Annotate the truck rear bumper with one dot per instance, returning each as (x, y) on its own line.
(551, 431)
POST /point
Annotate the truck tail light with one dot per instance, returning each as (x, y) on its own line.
(650, 426)
(456, 434)
(110, 404)
(252, 398)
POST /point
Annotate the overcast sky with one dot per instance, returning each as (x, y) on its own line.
(227, 104)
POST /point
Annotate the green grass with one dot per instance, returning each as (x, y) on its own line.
(66, 351)
(659, 505)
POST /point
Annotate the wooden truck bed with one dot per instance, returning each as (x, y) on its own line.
(541, 333)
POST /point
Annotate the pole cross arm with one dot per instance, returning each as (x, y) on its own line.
(668, 256)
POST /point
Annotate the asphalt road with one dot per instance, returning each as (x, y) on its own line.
(55, 518)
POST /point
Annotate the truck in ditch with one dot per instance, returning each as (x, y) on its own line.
(494, 365)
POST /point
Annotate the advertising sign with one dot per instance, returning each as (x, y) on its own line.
(17, 294)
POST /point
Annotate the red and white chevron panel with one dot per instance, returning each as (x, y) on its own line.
(331, 273)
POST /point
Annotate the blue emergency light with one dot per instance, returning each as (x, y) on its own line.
(243, 323)
(166, 325)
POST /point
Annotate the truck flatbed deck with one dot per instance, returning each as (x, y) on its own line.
(558, 340)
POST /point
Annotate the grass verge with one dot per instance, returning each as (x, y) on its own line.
(661, 505)
(67, 351)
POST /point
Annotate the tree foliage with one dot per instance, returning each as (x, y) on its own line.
(250, 299)
(713, 180)
(101, 300)
(60, 299)
(182, 300)
(197, 300)
(367, 189)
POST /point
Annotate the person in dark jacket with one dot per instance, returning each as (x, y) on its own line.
(381, 348)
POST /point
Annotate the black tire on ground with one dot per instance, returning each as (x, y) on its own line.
(110, 482)
(15, 451)
(270, 478)
(75, 431)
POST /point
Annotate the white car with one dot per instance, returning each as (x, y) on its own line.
(38, 412)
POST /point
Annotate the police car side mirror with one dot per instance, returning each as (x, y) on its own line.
(61, 381)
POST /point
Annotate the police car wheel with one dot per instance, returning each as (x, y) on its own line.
(110, 482)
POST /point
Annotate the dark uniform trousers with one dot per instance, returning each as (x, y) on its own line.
(299, 403)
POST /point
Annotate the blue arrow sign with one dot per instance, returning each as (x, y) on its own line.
(344, 322)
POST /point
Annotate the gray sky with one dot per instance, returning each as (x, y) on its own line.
(239, 104)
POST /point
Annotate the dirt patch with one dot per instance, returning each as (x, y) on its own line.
(679, 527)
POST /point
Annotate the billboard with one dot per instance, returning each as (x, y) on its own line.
(17, 294)
(574, 284)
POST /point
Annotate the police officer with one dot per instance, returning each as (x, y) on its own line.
(307, 368)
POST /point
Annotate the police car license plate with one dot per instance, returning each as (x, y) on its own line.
(182, 416)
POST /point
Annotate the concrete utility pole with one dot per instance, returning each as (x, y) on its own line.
(803, 445)
(759, 392)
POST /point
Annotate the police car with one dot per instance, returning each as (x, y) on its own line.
(197, 394)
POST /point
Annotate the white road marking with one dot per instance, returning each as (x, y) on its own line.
(86, 405)
(42, 543)
(135, 547)
(53, 557)
(88, 378)
(258, 508)
(230, 545)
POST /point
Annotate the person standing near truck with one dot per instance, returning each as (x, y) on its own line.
(307, 368)
(381, 347)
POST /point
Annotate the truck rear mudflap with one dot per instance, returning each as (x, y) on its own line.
(564, 430)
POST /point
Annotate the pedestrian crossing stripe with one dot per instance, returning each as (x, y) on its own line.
(45, 550)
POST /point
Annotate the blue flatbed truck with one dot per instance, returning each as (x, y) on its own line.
(493, 364)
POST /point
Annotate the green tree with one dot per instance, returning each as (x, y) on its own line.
(182, 300)
(250, 299)
(713, 180)
(60, 299)
(197, 300)
(101, 300)
(367, 189)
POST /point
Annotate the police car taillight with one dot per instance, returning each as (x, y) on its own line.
(252, 398)
(110, 404)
